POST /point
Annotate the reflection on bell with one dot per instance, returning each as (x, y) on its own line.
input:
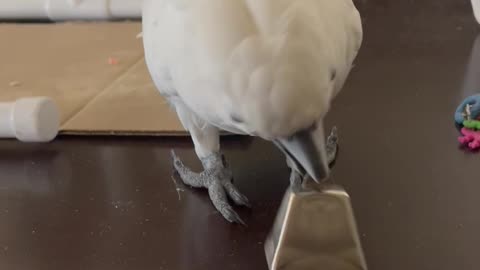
(315, 229)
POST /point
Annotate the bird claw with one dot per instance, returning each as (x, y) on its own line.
(229, 214)
(173, 155)
(217, 179)
(235, 195)
(219, 199)
(176, 160)
(333, 137)
(332, 145)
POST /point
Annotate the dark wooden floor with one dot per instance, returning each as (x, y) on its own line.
(110, 203)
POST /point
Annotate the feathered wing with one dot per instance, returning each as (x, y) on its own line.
(260, 67)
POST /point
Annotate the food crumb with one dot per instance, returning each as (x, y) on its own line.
(112, 61)
(14, 83)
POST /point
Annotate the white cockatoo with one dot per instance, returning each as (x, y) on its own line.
(266, 68)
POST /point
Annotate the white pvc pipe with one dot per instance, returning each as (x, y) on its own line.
(59, 10)
(26, 9)
(126, 8)
(33, 119)
(6, 115)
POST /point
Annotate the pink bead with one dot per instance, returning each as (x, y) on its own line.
(470, 138)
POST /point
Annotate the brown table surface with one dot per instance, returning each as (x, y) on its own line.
(110, 203)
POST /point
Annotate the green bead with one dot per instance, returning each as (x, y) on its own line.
(471, 124)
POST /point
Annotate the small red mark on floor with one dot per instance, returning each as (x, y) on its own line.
(112, 61)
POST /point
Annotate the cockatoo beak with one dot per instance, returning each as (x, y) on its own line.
(307, 148)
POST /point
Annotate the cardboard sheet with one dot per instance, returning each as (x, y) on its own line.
(94, 71)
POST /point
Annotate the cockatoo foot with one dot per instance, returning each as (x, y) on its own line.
(217, 178)
(332, 145)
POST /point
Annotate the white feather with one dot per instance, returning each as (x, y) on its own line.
(261, 67)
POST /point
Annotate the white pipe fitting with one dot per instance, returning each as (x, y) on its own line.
(60, 10)
(34, 119)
